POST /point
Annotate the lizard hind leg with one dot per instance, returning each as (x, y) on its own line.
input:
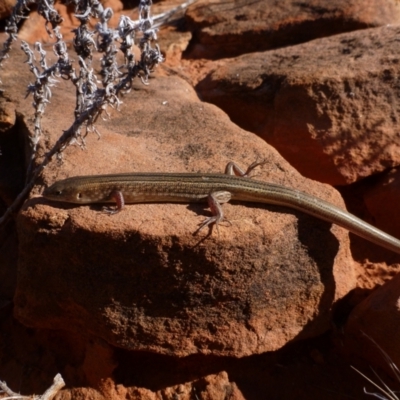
(215, 201)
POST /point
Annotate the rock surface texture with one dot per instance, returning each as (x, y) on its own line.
(134, 305)
(263, 281)
(335, 122)
(6, 8)
(374, 326)
(386, 190)
(228, 29)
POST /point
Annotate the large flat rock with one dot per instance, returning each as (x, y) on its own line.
(233, 27)
(140, 279)
(328, 106)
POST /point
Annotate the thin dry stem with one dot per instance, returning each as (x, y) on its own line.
(92, 100)
(49, 394)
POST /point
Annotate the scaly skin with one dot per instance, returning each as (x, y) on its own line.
(216, 188)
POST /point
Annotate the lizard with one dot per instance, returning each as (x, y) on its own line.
(212, 187)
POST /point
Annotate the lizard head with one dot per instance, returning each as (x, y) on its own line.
(66, 191)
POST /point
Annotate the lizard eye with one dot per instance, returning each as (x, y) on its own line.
(79, 196)
(58, 192)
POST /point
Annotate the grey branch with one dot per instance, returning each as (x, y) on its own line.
(49, 394)
(168, 16)
(92, 100)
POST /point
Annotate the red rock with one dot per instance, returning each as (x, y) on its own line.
(6, 7)
(84, 393)
(61, 272)
(7, 115)
(324, 105)
(374, 326)
(382, 200)
(173, 43)
(211, 387)
(139, 279)
(231, 28)
(374, 265)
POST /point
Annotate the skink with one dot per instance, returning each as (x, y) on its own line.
(214, 188)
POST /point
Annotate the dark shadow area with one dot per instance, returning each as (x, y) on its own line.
(128, 4)
(361, 249)
(12, 162)
(307, 370)
(228, 45)
(304, 370)
(3, 24)
(8, 261)
(345, 305)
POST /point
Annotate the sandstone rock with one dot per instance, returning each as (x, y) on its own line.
(7, 115)
(374, 326)
(328, 106)
(231, 28)
(88, 368)
(139, 279)
(85, 393)
(173, 43)
(383, 196)
(6, 7)
(211, 387)
(373, 265)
